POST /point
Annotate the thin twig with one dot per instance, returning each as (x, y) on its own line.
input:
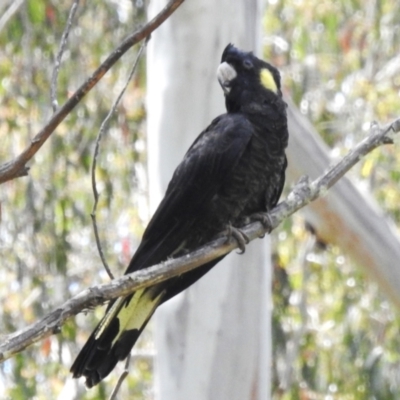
(8, 14)
(124, 374)
(102, 129)
(63, 43)
(17, 167)
(302, 194)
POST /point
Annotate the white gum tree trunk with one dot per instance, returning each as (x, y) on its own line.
(213, 341)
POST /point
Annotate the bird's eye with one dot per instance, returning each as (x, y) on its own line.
(247, 64)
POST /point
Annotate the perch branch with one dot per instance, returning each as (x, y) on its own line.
(302, 194)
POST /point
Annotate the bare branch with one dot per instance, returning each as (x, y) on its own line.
(302, 194)
(8, 14)
(64, 38)
(297, 199)
(124, 374)
(17, 167)
(96, 153)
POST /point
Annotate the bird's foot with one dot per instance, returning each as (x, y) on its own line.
(241, 238)
(265, 220)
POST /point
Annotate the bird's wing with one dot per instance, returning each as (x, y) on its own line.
(206, 165)
(279, 189)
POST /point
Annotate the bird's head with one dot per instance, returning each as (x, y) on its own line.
(246, 79)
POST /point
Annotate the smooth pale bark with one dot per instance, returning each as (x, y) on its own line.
(213, 341)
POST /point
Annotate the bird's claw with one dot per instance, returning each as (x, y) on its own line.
(241, 238)
(265, 220)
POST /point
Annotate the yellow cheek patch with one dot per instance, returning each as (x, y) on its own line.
(267, 80)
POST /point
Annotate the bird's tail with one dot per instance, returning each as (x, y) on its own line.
(115, 335)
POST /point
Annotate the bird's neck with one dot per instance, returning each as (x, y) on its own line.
(269, 122)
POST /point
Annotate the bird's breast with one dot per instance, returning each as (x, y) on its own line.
(252, 185)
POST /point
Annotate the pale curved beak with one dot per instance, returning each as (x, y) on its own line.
(226, 74)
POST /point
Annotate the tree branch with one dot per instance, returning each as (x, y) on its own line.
(17, 167)
(9, 13)
(302, 194)
(57, 64)
(103, 127)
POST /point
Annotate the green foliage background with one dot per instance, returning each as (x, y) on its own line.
(46, 238)
(335, 335)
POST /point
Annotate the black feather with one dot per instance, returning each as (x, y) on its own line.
(235, 168)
